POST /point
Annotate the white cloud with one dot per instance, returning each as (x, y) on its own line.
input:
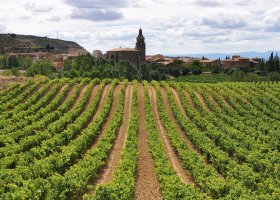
(97, 3)
(272, 20)
(229, 19)
(2, 28)
(35, 7)
(96, 14)
(208, 3)
(54, 18)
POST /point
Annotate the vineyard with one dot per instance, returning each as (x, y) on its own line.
(111, 139)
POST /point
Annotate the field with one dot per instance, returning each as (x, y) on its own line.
(110, 139)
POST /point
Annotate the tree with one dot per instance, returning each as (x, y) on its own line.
(185, 71)
(3, 61)
(15, 71)
(216, 70)
(275, 76)
(25, 62)
(196, 65)
(155, 75)
(12, 62)
(42, 67)
(145, 71)
(178, 61)
(67, 66)
(73, 73)
(196, 71)
(237, 76)
(175, 72)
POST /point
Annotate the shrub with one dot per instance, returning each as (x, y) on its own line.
(185, 71)
(216, 70)
(197, 71)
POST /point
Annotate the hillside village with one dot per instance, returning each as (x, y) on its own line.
(57, 54)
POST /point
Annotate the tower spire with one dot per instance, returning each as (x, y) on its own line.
(141, 45)
(140, 31)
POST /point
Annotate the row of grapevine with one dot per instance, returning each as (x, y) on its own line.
(123, 184)
(171, 185)
(14, 91)
(205, 141)
(222, 161)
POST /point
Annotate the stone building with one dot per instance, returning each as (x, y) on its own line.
(97, 54)
(237, 61)
(135, 55)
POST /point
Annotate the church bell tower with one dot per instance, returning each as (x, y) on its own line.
(141, 46)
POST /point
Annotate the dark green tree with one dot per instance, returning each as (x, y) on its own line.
(12, 62)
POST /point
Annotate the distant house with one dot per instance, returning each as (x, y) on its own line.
(237, 61)
(98, 54)
(210, 63)
(34, 56)
(58, 62)
(56, 59)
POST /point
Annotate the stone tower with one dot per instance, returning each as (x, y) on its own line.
(141, 46)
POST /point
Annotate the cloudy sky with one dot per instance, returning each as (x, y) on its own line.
(170, 26)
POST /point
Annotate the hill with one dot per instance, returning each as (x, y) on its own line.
(30, 44)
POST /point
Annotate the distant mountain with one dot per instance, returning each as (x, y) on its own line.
(264, 55)
(30, 44)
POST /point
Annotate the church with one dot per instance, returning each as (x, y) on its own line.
(135, 55)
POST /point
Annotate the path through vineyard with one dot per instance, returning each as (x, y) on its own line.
(107, 172)
(147, 186)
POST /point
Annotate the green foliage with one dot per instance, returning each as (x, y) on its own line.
(178, 61)
(88, 66)
(185, 71)
(275, 76)
(24, 62)
(232, 153)
(12, 62)
(196, 71)
(41, 67)
(195, 65)
(272, 64)
(216, 70)
(174, 72)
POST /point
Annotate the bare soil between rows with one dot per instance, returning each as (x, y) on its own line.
(147, 185)
(171, 153)
(119, 143)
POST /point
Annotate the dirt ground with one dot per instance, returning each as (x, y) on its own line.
(6, 81)
(147, 186)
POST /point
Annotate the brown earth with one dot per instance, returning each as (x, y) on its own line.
(111, 113)
(115, 155)
(214, 102)
(6, 81)
(171, 153)
(100, 106)
(188, 96)
(179, 103)
(177, 98)
(147, 186)
(92, 96)
(69, 94)
(84, 88)
(181, 132)
(225, 102)
(103, 100)
(201, 100)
